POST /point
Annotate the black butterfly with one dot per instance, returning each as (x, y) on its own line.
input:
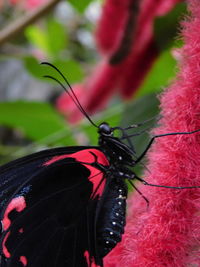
(65, 207)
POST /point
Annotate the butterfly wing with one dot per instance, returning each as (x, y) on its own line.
(48, 203)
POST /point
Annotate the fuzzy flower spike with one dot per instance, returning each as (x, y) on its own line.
(167, 234)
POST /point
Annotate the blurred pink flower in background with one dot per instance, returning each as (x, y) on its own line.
(125, 39)
(64, 103)
(14, 2)
(28, 4)
(31, 4)
(168, 232)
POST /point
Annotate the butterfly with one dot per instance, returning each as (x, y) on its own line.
(66, 207)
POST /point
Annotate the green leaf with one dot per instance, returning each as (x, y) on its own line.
(160, 75)
(70, 69)
(33, 67)
(166, 27)
(36, 120)
(37, 37)
(51, 41)
(56, 37)
(80, 5)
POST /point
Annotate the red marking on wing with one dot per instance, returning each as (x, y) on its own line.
(21, 230)
(97, 178)
(18, 204)
(86, 156)
(23, 259)
(82, 156)
(87, 256)
(5, 250)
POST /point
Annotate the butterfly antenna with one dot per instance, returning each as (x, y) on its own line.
(72, 95)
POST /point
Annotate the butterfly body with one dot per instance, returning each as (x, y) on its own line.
(111, 219)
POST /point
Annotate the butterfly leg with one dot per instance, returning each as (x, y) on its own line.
(124, 136)
(127, 137)
(158, 136)
(164, 186)
(142, 123)
(139, 192)
(136, 125)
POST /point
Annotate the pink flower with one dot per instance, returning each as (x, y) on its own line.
(97, 88)
(168, 233)
(128, 51)
(111, 24)
(67, 107)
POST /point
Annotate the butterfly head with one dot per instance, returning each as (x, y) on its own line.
(105, 129)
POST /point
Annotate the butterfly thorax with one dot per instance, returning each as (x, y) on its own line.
(118, 153)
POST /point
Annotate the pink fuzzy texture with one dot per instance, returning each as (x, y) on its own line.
(144, 50)
(168, 233)
(114, 13)
(137, 66)
(102, 85)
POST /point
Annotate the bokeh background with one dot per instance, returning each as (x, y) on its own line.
(118, 55)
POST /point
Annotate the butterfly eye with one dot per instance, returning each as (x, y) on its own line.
(105, 129)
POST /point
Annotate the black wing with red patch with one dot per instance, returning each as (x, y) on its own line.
(48, 206)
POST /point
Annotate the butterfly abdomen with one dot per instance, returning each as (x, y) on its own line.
(111, 219)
